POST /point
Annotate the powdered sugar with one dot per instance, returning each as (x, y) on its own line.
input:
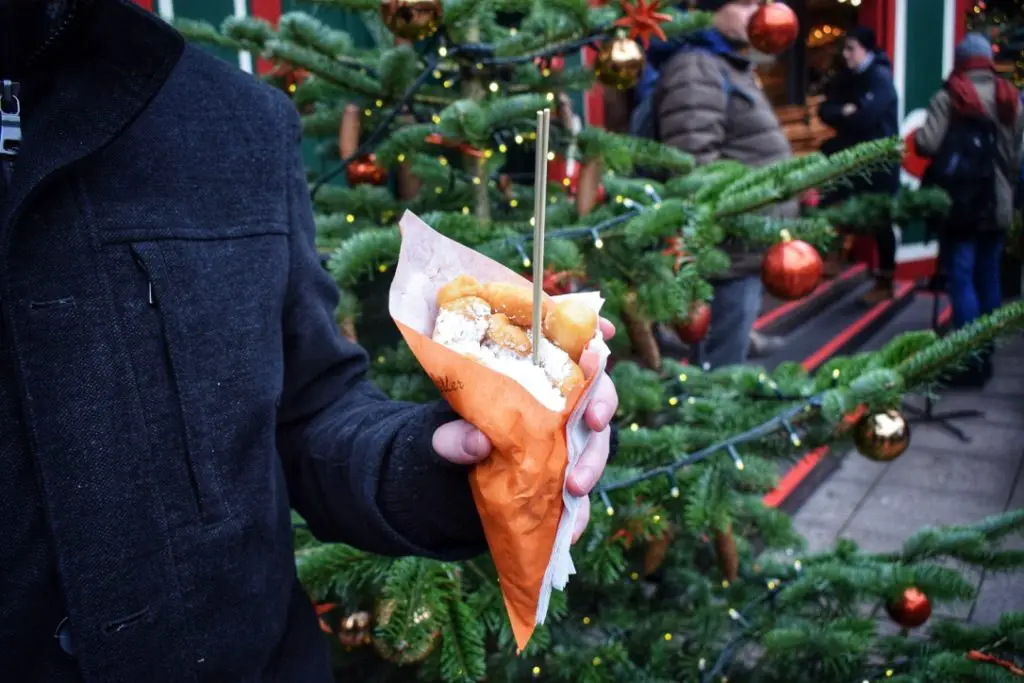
(464, 329)
(455, 327)
(532, 377)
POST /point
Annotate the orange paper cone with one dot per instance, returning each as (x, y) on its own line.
(519, 490)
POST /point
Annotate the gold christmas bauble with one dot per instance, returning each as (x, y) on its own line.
(620, 63)
(403, 652)
(355, 630)
(882, 436)
(411, 19)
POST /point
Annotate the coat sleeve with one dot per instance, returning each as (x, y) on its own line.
(360, 468)
(831, 110)
(928, 138)
(872, 106)
(691, 106)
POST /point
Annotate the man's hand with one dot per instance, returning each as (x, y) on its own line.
(849, 109)
(463, 444)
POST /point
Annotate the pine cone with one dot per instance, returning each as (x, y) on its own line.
(655, 552)
(728, 556)
(587, 187)
(641, 334)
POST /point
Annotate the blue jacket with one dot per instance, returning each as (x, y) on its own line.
(877, 116)
(180, 377)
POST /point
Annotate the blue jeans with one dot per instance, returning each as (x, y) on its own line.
(734, 310)
(973, 275)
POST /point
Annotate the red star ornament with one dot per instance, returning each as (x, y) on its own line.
(643, 20)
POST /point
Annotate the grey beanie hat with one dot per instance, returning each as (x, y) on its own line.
(973, 45)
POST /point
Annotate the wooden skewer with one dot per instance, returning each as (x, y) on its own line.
(540, 207)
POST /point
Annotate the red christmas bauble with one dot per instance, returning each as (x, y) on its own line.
(696, 325)
(811, 198)
(773, 28)
(554, 63)
(365, 171)
(911, 610)
(791, 269)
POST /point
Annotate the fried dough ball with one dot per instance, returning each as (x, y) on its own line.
(571, 325)
(461, 287)
(470, 306)
(514, 301)
(504, 333)
(461, 321)
(572, 380)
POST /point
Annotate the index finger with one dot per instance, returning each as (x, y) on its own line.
(607, 329)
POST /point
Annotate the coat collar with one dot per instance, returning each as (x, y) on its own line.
(120, 58)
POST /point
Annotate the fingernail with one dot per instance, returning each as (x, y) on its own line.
(475, 443)
(603, 413)
(585, 478)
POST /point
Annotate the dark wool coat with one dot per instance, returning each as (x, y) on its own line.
(876, 117)
(172, 380)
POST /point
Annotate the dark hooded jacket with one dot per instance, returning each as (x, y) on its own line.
(877, 116)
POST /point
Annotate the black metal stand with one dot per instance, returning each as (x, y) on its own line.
(928, 414)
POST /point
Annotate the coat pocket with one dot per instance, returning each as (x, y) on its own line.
(203, 476)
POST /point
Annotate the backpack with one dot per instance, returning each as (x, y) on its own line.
(965, 168)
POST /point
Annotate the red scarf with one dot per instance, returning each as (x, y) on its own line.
(965, 97)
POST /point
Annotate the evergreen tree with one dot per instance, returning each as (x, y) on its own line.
(684, 574)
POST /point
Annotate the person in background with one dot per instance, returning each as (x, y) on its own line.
(974, 98)
(707, 101)
(861, 105)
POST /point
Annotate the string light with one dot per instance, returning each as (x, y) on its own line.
(401, 158)
(383, 268)
(536, 671)
(503, 148)
(519, 139)
(350, 218)
(586, 621)
(443, 51)
(465, 211)
(493, 87)
(379, 103)
(367, 112)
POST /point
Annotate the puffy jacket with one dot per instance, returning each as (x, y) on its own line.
(699, 113)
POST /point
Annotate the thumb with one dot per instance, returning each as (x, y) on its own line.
(461, 443)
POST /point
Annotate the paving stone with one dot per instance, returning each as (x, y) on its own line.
(818, 538)
(855, 467)
(834, 502)
(999, 593)
(999, 410)
(1006, 384)
(874, 540)
(950, 471)
(987, 440)
(894, 509)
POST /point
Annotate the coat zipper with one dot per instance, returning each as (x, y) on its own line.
(153, 300)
